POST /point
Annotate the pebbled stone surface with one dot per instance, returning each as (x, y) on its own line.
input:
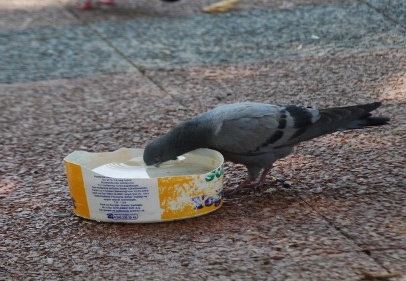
(120, 76)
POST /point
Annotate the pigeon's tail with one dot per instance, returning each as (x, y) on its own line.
(366, 122)
(339, 119)
(352, 117)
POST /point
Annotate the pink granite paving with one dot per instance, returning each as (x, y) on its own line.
(343, 218)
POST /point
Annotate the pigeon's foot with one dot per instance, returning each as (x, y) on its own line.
(88, 5)
(248, 185)
(244, 188)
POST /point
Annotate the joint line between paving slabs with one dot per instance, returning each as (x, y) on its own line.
(173, 96)
(105, 40)
(140, 69)
(330, 222)
(386, 15)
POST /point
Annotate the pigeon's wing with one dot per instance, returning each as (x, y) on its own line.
(251, 128)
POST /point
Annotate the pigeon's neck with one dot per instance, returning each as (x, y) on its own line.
(191, 135)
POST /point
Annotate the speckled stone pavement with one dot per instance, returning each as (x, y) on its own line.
(119, 76)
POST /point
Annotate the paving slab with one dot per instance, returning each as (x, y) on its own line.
(362, 173)
(372, 221)
(75, 105)
(57, 52)
(253, 35)
(330, 267)
(199, 40)
(366, 168)
(315, 81)
(393, 9)
(393, 259)
(291, 240)
(283, 238)
(25, 14)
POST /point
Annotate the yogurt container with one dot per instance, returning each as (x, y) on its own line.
(118, 187)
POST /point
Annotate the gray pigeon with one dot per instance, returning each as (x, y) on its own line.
(257, 134)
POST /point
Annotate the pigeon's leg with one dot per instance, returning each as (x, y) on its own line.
(86, 6)
(249, 184)
(107, 2)
(262, 179)
(244, 186)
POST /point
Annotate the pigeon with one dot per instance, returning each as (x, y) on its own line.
(257, 134)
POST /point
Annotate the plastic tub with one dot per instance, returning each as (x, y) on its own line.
(118, 187)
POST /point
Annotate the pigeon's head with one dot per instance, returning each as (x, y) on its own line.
(186, 137)
(156, 153)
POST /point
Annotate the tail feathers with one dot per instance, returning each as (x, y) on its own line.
(366, 122)
(352, 117)
(339, 119)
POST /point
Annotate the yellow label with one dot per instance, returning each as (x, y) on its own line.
(182, 197)
(77, 189)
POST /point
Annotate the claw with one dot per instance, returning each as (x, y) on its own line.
(250, 184)
(247, 186)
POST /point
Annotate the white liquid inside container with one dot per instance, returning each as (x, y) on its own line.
(136, 168)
